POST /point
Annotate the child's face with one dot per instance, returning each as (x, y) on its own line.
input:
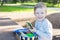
(40, 13)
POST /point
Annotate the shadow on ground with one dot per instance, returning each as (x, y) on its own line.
(8, 35)
(55, 20)
(7, 22)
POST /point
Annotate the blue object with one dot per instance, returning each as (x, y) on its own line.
(22, 30)
(20, 36)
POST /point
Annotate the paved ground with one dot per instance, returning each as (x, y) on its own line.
(12, 20)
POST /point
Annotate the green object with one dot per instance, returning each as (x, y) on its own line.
(30, 35)
(29, 25)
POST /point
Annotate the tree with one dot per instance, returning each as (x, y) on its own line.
(22, 1)
(39, 0)
(2, 2)
(58, 2)
(14, 1)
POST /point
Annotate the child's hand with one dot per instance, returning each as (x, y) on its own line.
(32, 30)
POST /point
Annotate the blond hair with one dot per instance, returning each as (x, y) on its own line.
(39, 5)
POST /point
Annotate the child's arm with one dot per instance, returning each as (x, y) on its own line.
(40, 34)
(47, 34)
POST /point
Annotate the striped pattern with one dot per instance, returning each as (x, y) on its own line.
(27, 38)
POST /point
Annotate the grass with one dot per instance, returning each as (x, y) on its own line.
(17, 9)
(14, 8)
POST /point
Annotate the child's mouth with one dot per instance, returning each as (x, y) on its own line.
(40, 17)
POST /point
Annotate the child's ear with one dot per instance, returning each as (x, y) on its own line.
(45, 11)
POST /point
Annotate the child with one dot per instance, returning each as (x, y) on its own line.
(42, 25)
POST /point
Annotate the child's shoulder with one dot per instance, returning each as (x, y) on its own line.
(48, 22)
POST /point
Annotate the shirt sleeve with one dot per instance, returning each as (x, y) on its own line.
(47, 33)
(48, 30)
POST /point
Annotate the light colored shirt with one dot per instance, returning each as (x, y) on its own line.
(43, 29)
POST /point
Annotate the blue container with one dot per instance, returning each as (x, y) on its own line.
(20, 34)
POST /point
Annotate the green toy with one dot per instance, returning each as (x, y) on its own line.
(29, 25)
(30, 35)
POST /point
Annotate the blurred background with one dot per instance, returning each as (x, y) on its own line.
(20, 5)
(15, 13)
